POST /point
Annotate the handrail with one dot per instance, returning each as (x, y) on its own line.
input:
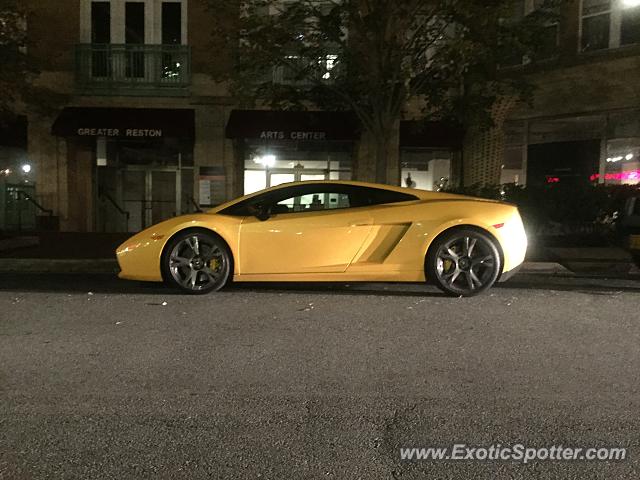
(193, 202)
(22, 195)
(101, 193)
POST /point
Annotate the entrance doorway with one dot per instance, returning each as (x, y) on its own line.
(142, 184)
(150, 196)
(134, 198)
(572, 163)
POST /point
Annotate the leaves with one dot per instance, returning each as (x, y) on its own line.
(376, 56)
(19, 70)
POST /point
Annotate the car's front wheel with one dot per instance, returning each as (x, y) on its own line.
(463, 262)
(196, 262)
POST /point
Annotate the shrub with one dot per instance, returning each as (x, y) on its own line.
(560, 208)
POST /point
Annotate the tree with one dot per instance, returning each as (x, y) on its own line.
(19, 70)
(15, 72)
(374, 57)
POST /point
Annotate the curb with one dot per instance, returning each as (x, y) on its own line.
(549, 268)
(110, 266)
(107, 265)
(66, 265)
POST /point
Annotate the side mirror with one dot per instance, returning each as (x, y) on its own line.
(262, 212)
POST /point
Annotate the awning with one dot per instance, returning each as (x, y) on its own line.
(293, 125)
(430, 134)
(125, 122)
(271, 125)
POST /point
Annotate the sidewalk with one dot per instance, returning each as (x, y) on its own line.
(59, 252)
(94, 253)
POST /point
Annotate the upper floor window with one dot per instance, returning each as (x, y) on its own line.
(609, 24)
(549, 34)
(630, 24)
(150, 22)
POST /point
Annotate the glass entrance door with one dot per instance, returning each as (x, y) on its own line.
(134, 197)
(163, 200)
(150, 196)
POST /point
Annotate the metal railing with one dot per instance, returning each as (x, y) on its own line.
(195, 204)
(306, 72)
(22, 195)
(127, 216)
(117, 69)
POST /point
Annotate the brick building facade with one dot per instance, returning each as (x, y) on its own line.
(145, 133)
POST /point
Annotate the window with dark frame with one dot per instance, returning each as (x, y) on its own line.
(609, 24)
(548, 44)
(171, 35)
(134, 23)
(101, 35)
(134, 35)
(630, 27)
(596, 25)
(171, 23)
(100, 22)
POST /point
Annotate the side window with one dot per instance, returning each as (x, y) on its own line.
(313, 198)
(364, 196)
(313, 202)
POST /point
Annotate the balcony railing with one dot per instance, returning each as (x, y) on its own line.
(321, 70)
(108, 69)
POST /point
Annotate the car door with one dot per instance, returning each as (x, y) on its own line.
(311, 229)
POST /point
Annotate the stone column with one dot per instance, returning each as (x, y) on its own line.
(48, 155)
(483, 149)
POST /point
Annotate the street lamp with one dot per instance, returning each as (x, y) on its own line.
(26, 168)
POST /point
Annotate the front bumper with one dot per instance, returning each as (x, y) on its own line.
(139, 259)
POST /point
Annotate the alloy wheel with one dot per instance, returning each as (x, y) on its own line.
(466, 264)
(197, 263)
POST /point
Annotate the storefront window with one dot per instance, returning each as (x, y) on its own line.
(588, 149)
(425, 169)
(565, 150)
(513, 164)
(623, 149)
(623, 162)
(272, 165)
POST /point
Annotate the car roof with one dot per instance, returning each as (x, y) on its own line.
(421, 194)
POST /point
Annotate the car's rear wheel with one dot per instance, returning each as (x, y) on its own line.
(463, 262)
(196, 262)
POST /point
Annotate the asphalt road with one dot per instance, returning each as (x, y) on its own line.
(103, 379)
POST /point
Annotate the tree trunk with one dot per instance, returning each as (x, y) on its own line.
(387, 151)
(382, 152)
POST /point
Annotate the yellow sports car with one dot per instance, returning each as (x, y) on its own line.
(333, 231)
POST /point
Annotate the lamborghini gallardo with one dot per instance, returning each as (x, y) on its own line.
(333, 231)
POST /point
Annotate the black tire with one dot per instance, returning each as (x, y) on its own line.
(196, 262)
(463, 262)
